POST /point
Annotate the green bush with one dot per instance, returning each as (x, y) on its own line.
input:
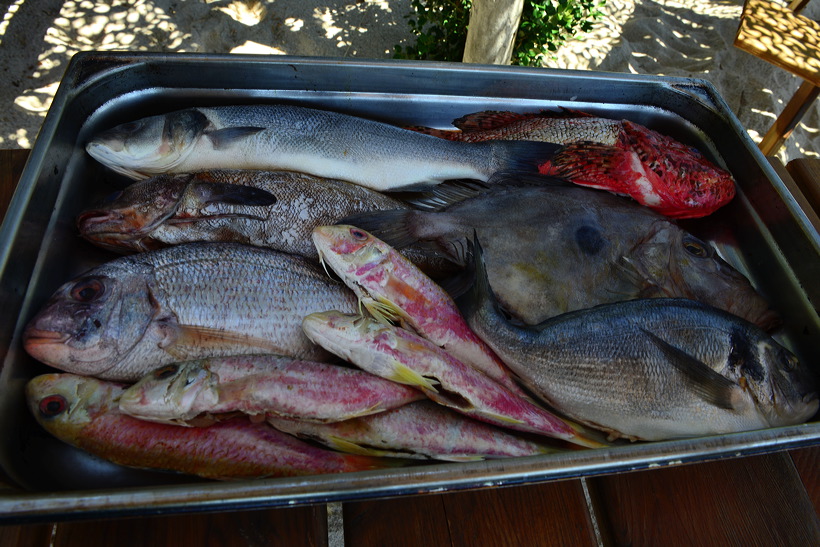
(440, 27)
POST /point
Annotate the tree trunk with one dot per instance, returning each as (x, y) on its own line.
(490, 35)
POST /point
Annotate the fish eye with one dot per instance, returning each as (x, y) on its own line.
(695, 247)
(53, 405)
(166, 372)
(87, 290)
(361, 235)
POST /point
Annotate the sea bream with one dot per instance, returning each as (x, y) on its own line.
(84, 413)
(276, 209)
(620, 156)
(650, 369)
(197, 392)
(422, 429)
(328, 144)
(551, 247)
(124, 318)
(401, 356)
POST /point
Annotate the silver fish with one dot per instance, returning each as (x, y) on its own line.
(650, 369)
(260, 385)
(551, 248)
(84, 412)
(422, 429)
(129, 316)
(326, 144)
(277, 210)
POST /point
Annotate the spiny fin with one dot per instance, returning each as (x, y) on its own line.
(191, 338)
(234, 194)
(383, 310)
(405, 375)
(705, 382)
(393, 227)
(227, 137)
(447, 193)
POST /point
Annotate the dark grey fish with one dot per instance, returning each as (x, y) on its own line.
(650, 368)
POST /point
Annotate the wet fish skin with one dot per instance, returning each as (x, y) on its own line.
(391, 287)
(397, 354)
(128, 316)
(277, 210)
(422, 429)
(619, 156)
(83, 412)
(651, 369)
(326, 144)
(551, 248)
(261, 385)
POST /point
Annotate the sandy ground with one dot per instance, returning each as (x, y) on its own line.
(690, 38)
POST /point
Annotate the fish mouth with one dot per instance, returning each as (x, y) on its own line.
(39, 337)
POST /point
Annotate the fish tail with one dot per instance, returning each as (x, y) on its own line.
(526, 156)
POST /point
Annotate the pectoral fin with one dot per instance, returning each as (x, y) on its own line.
(705, 382)
(229, 136)
(233, 194)
(405, 375)
(191, 340)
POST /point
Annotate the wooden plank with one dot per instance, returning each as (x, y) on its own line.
(28, 535)
(399, 522)
(807, 463)
(543, 514)
(274, 527)
(806, 174)
(11, 167)
(785, 123)
(758, 500)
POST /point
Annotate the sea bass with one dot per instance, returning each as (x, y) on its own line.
(620, 156)
(422, 429)
(651, 369)
(326, 144)
(191, 393)
(401, 356)
(391, 287)
(84, 413)
(277, 210)
(551, 248)
(123, 319)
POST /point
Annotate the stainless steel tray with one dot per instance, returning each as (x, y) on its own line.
(763, 232)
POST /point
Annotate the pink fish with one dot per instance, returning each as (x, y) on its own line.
(622, 157)
(401, 356)
(84, 412)
(391, 287)
(259, 385)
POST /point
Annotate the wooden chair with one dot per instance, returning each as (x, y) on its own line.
(781, 36)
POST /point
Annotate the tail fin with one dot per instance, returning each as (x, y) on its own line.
(526, 156)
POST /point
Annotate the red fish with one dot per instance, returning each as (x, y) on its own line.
(619, 156)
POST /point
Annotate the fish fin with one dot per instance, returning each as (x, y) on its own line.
(525, 156)
(234, 194)
(599, 166)
(383, 310)
(343, 445)
(447, 193)
(502, 418)
(190, 339)
(227, 137)
(707, 384)
(460, 283)
(393, 227)
(405, 375)
(489, 119)
(459, 458)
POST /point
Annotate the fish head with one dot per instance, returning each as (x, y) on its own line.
(675, 263)
(65, 403)
(698, 186)
(125, 219)
(150, 145)
(347, 335)
(351, 252)
(168, 394)
(784, 389)
(89, 324)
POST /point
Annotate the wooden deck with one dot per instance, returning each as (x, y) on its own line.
(771, 499)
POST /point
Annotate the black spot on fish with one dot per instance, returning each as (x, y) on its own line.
(589, 239)
(741, 355)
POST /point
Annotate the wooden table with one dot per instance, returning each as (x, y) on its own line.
(770, 499)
